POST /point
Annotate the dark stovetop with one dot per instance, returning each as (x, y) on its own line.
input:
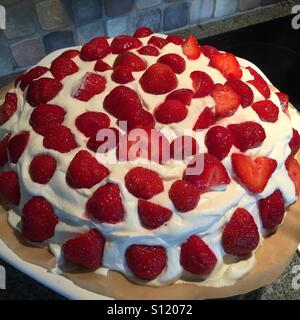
(275, 48)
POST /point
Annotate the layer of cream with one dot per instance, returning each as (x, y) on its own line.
(214, 209)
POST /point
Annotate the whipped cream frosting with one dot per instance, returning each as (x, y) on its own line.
(214, 209)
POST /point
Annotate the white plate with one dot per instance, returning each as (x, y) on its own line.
(57, 283)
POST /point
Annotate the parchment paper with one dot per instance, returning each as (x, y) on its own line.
(271, 260)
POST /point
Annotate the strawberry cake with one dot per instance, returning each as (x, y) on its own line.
(153, 221)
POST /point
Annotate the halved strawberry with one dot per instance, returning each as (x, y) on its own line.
(227, 64)
(183, 95)
(174, 61)
(159, 78)
(253, 173)
(17, 145)
(122, 75)
(158, 42)
(91, 84)
(102, 66)
(170, 111)
(3, 150)
(124, 43)
(284, 100)
(266, 110)
(26, 78)
(70, 54)
(97, 48)
(293, 168)
(8, 108)
(295, 142)
(259, 83)
(209, 51)
(9, 187)
(142, 32)
(191, 48)
(226, 99)
(213, 174)
(205, 120)
(149, 51)
(202, 83)
(175, 39)
(62, 67)
(131, 61)
(243, 90)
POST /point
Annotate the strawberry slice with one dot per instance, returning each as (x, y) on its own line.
(26, 78)
(243, 90)
(226, 99)
(62, 67)
(202, 83)
(183, 95)
(293, 169)
(206, 119)
(91, 84)
(259, 83)
(8, 108)
(213, 174)
(253, 173)
(191, 48)
(142, 32)
(227, 64)
(17, 145)
(131, 61)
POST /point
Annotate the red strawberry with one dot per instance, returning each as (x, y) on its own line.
(205, 120)
(122, 75)
(16, 145)
(209, 51)
(212, 175)
(93, 144)
(219, 141)
(146, 262)
(8, 108)
(59, 138)
(42, 168)
(91, 84)
(62, 67)
(227, 64)
(70, 54)
(240, 235)
(85, 250)
(106, 204)
(122, 102)
(295, 142)
(158, 42)
(141, 119)
(149, 51)
(253, 173)
(89, 123)
(284, 100)
(159, 78)
(170, 111)
(96, 49)
(9, 187)
(226, 99)
(153, 215)
(183, 147)
(142, 32)
(202, 83)
(183, 95)
(143, 183)
(45, 116)
(272, 210)
(131, 61)
(3, 150)
(191, 48)
(42, 90)
(151, 145)
(38, 220)
(293, 169)
(259, 83)
(34, 73)
(243, 90)
(196, 256)
(174, 61)
(266, 110)
(85, 171)
(124, 43)
(175, 39)
(247, 135)
(102, 66)
(184, 195)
